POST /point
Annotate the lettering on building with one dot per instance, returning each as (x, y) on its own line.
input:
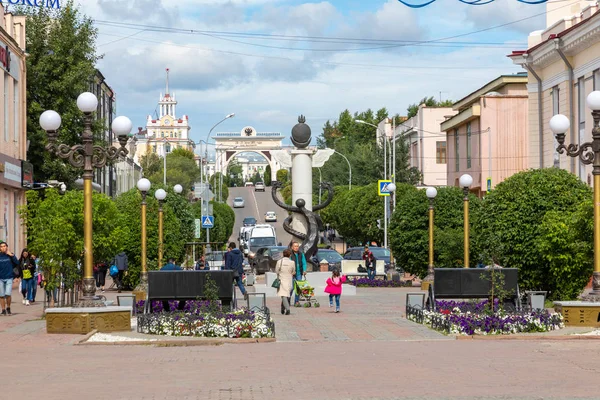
(32, 3)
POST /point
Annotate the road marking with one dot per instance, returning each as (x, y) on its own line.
(256, 206)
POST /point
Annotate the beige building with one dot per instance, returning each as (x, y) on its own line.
(563, 62)
(427, 143)
(487, 139)
(16, 175)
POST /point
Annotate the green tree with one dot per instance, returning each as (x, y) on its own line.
(150, 163)
(217, 188)
(513, 219)
(181, 152)
(282, 175)
(224, 222)
(268, 176)
(61, 55)
(181, 170)
(256, 177)
(234, 169)
(413, 109)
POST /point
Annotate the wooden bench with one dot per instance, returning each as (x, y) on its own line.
(188, 285)
(472, 283)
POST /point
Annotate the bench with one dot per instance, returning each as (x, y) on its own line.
(188, 285)
(472, 283)
(350, 268)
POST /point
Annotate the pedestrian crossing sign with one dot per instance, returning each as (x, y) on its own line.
(382, 187)
(208, 221)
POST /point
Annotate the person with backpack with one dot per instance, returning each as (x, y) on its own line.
(334, 288)
(26, 271)
(369, 262)
(120, 261)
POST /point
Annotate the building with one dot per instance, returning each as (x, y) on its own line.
(106, 112)
(563, 62)
(487, 138)
(426, 143)
(167, 131)
(16, 174)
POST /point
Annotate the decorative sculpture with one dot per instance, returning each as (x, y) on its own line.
(469, 2)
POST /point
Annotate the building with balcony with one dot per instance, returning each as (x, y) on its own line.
(487, 138)
(563, 62)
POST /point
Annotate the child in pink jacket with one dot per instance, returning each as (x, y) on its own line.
(334, 288)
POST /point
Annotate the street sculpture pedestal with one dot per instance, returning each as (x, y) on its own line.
(303, 224)
(82, 320)
(579, 313)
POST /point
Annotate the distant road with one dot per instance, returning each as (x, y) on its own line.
(256, 205)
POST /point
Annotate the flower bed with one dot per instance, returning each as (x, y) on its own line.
(206, 319)
(471, 318)
(365, 282)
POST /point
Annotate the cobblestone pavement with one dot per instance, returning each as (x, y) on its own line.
(365, 352)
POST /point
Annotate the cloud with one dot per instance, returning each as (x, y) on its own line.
(522, 18)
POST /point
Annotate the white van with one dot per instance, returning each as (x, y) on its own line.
(260, 236)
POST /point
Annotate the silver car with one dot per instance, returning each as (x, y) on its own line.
(238, 202)
(259, 187)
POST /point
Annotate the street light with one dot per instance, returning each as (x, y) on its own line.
(589, 153)
(391, 188)
(349, 169)
(160, 195)
(431, 192)
(87, 156)
(178, 189)
(384, 137)
(465, 182)
(140, 291)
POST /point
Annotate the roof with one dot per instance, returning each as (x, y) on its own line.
(492, 86)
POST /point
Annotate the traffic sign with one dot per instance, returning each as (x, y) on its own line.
(382, 187)
(208, 221)
(197, 228)
(489, 184)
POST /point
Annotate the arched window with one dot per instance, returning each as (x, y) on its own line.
(168, 148)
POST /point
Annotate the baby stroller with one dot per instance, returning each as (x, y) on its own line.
(306, 294)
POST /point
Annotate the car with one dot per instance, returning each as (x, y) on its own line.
(266, 259)
(248, 184)
(333, 258)
(260, 236)
(259, 187)
(215, 260)
(270, 216)
(238, 202)
(380, 253)
(249, 221)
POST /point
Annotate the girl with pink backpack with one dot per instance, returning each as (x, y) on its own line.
(334, 288)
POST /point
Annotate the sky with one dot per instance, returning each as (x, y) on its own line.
(269, 61)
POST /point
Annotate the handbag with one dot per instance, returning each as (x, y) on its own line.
(16, 272)
(236, 273)
(276, 283)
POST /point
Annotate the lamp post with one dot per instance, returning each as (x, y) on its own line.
(349, 169)
(387, 214)
(88, 156)
(206, 150)
(140, 291)
(465, 182)
(384, 137)
(431, 192)
(588, 153)
(160, 195)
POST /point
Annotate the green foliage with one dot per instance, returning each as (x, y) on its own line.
(55, 231)
(514, 229)
(181, 169)
(217, 187)
(497, 289)
(211, 290)
(178, 228)
(268, 176)
(234, 169)
(150, 163)
(282, 175)
(256, 177)
(224, 222)
(61, 55)
(413, 109)
(181, 152)
(409, 228)
(286, 193)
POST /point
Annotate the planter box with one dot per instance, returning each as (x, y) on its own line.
(579, 313)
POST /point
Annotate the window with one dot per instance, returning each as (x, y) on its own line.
(468, 145)
(16, 109)
(555, 110)
(597, 79)
(440, 152)
(456, 159)
(6, 117)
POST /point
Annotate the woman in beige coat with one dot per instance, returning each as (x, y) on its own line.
(285, 272)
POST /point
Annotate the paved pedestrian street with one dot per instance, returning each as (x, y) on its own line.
(368, 351)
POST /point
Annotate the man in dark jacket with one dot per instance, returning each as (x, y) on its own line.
(234, 260)
(122, 264)
(8, 261)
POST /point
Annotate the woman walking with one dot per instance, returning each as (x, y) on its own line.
(334, 288)
(26, 272)
(285, 273)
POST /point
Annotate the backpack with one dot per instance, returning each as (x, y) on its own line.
(362, 269)
(114, 271)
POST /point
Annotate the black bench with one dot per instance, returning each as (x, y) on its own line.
(188, 285)
(472, 283)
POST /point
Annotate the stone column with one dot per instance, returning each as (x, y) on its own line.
(301, 184)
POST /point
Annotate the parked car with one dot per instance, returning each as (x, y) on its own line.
(333, 258)
(249, 221)
(266, 259)
(238, 202)
(259, 187)
(355, 253)
(248, 184)
(215, 260)
(270, 216)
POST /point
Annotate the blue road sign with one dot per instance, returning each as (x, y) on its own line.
(208, 221)
(382, 189)
(489, 184)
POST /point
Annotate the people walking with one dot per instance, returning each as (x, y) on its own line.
(369, 262)
(334, 288)
(37, 276)
(100, 275)
(8, 262)
(300, 267)
(122, 264)
(26, 272)
(234, 260)
(285, 270)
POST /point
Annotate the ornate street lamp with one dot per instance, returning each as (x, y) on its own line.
(588, 153)
(178, 189)
(140, 291)
(88, 156)
(465, 182)
(160, 195)
(431, 192)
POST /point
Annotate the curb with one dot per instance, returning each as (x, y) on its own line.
(533, 337)
(177, 343)
(87, 336)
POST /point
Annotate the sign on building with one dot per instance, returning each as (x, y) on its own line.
(197, 228)
(32, 3)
